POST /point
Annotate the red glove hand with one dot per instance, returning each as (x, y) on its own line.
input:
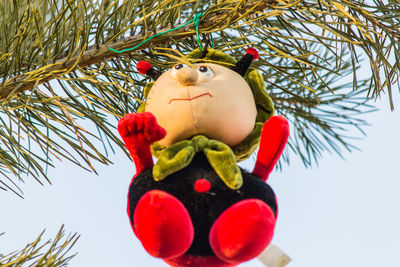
(142, 126)
(139, 131)
(274, 136)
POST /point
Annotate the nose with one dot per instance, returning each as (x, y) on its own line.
(187, 76)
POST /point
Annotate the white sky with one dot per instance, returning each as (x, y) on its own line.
(344, 213)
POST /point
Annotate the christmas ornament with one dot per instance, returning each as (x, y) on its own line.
(195, 206)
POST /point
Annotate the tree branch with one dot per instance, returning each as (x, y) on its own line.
(94, 55)
(309, 103)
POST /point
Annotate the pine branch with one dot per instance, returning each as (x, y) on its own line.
(52, 253)
(96, 54)
(305, 47)
(309, 103)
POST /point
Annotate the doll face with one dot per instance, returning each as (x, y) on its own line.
(208, 99)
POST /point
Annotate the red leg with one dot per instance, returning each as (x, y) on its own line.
(274, 136)
(243, 231)
(163, 225)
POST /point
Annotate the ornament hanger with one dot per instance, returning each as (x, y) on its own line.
(196, 22)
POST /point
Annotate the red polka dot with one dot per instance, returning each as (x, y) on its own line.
(202, 185)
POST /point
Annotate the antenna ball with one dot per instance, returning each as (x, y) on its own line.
(253, 52)
(143, 67)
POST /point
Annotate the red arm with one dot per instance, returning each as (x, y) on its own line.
(274, 136)
(139, 131)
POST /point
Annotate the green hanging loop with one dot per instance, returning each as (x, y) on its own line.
(212, 40)
(196, 22)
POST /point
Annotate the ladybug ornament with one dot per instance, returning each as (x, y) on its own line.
(195, 206)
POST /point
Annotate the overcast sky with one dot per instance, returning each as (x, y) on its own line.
(344, 213)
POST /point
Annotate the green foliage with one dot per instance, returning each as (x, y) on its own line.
(58, 78)
(42, 254)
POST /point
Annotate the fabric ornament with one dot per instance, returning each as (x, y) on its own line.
(196, 206)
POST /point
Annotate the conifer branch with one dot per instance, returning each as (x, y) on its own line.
(97, 54)
(52, 253)
(56, 69)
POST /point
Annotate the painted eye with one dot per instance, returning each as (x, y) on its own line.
(205, 73)
(177, 67)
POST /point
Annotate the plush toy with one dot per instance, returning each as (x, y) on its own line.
(195, 206)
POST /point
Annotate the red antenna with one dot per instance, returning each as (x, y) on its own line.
(145, 68)
(244, 63)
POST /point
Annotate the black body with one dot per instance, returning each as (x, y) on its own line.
(204, 208)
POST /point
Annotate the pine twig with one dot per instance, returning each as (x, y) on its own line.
(51, 253)
(94, 55)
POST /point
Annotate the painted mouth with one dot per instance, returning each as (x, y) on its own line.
(189, 99)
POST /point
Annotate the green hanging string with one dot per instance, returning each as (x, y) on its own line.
(196, 22)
